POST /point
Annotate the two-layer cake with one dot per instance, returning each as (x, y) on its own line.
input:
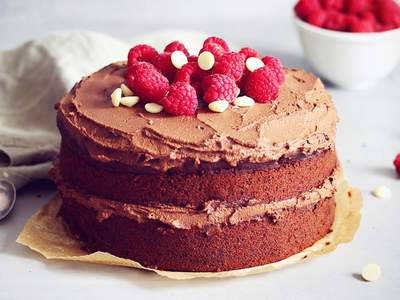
(203, 192)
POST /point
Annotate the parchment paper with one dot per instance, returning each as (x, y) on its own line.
(46, 234)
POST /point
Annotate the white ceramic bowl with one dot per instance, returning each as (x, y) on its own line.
(350, 60)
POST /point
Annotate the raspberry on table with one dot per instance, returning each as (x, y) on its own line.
(262, 85)
(141, 53)
(396, 163)
(176, 46)
(192, 74)
(231, 64)
(147, 82)
(216, 40)
(249, 52)
(276, 66)
(304, 8)
(219, 87)
(180, 100)
(163, 63)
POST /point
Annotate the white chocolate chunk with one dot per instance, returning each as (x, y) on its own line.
(254, 63)
(218, 106)
(206, 60)
(116, 97)
(126, 91)
(129, 101)
(153, 108)
(178, 59)
(244, 101)
(382, 191)
(371, 272)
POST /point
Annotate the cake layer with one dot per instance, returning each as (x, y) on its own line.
(269, 238)
(301, 121)
(221, 236)
(267, 182)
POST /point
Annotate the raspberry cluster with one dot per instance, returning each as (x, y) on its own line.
(350, 15)
(178, 81)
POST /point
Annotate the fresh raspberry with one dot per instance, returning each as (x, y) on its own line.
(305, 7)
(362, 26)
(262, 85)
(231, 64)
(336, 21)
(396, 163)
(276, 66)
(141, 53)
(350, 19)
(163, 63)
(249, 52)
(148, 83)
(191, 73)
(180, 100)
(332, 4)
(385, 27)
(218, 41)
(215, 49)
(176, 46)
(317, 18)
(193, 58)
(219, 87)
(388, 12)
(368, 15)
(357, 6)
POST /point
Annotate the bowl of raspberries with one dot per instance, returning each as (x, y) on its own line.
(351, 43)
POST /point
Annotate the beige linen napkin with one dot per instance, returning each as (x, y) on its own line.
(33, 78)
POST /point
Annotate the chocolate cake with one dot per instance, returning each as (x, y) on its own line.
(203, 192)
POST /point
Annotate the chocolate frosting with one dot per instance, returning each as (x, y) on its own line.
(302, 120)
(214, 212)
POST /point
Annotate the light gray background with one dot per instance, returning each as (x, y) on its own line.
(368, 139)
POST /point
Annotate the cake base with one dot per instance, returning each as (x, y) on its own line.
(47, 234)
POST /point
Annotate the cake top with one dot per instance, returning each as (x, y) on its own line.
(298, 118)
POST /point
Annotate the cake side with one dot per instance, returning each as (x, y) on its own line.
(222, 236)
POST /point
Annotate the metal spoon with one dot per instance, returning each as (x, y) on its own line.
(7, 198)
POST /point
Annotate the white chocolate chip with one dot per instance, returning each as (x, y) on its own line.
(5, 174)
(382, 191)
(371, 272)
(153, 108)
(254, 63)
(218, 106)
(244, 101)
(178, 59)
(129, 101)
(126, 91)
(206, 60)
(116, 97)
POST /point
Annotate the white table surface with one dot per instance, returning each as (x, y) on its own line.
(367, 140)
